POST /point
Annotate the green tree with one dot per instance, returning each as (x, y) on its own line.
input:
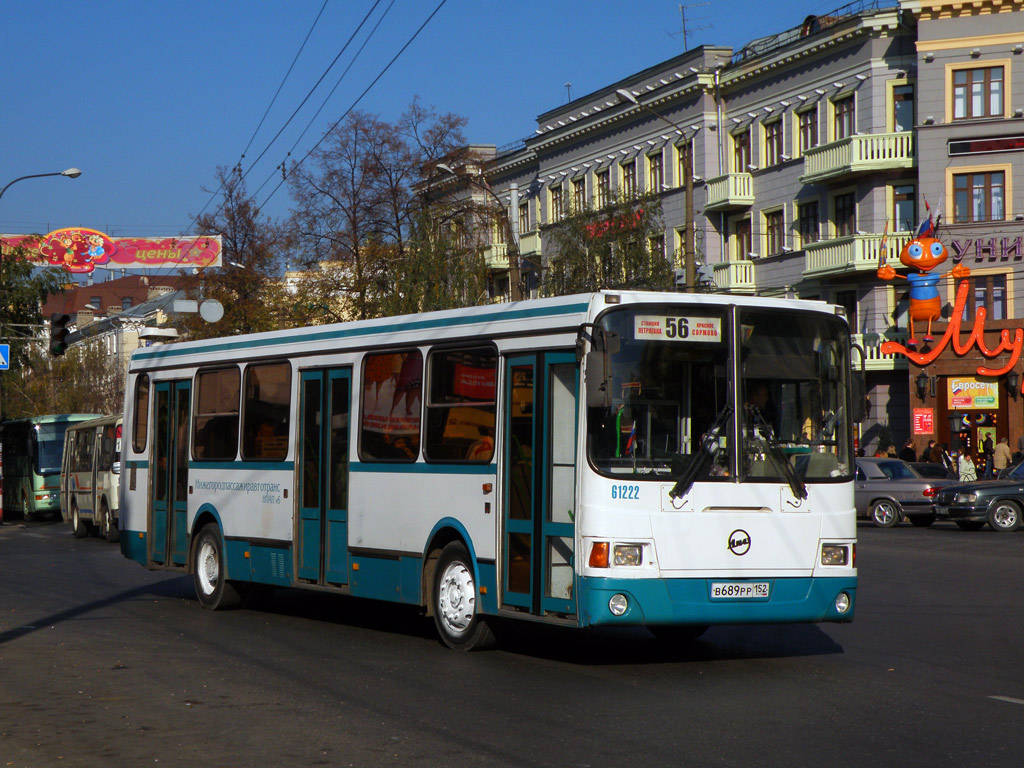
(618, 246)
(80, 381)
(248, 283)
(24, 286)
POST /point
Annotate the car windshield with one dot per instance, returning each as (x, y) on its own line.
(673, 405)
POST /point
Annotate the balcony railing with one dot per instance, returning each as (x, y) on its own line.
(734, 190)
(529, 242)
(859, 154)
(874, 360)
(735, 276)
(854, 253)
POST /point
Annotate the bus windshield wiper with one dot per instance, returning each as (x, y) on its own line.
(709, 450)
(795, 483)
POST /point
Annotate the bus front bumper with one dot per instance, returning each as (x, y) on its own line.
(716, 600)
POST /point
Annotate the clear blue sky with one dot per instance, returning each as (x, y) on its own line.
(148, 98)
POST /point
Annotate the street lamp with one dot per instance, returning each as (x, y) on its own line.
(515, 288)
(689, 257)
(71, 173)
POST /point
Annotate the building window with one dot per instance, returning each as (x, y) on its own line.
(808, 223)
(846, 215)
(978, 197)
(744, 240)
(848, 301)
(629, 179)
(685, 164)
(775, 232)
(977, 93)
(903, 108)
(842, 118)
(808, 129)
(126, 303)
(741, 152)
(579, 195)
(657, 245)
(988, 291)
(655, 172)
(557, 203)
(773, 142)
(904, 207)
(603, 179)
(524, 217)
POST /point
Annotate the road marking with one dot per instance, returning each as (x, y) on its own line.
(1008, 699)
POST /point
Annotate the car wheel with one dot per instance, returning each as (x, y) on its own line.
(1004, 517)
(922, 521)
(884, 513)
(970, 525)
(455, 602)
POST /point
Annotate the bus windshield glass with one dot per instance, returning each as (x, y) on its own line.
(794, 373)
(669, 387)
(49, 447)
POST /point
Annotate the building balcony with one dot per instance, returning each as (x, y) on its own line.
(735, 276)
(874, 360)
(854, 253)
(859, 154)
(529, 242)
(496, 256)
(734, 190)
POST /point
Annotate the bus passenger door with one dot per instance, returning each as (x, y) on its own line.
(539, 483)
(322, 529)
(169, 509)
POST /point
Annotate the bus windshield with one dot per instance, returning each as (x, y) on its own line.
(670, 380)
(49, 439)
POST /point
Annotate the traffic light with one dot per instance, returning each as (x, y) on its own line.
(58, 333)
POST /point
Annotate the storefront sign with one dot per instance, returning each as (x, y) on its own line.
(964, 393)
(1012, 343)
(924, 421)
(79, 250)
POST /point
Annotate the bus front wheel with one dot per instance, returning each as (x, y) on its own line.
(455, 602)
(213, 590)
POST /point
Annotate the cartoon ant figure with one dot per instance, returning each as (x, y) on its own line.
(922, 255)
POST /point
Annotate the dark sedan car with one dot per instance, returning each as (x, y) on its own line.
(1000, 503)
(889, 490)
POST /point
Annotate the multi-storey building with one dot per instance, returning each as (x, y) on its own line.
(808, 149)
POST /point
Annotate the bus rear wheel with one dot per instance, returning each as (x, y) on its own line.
(213, 590)
(455, 602)
(110, 532)
(79, 527)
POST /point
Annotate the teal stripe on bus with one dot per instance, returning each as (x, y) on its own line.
(173, 350)
(144, 464)
(242, 466)
(423, 468)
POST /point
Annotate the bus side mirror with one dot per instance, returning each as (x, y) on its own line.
(859, 397)
(116, 467)
(598, 380)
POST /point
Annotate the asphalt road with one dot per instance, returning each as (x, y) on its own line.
(104, 663)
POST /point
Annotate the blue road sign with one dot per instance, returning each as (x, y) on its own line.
(5, 356)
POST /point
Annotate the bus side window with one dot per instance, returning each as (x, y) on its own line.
(461, 405)
(140, 418)
(389, 427)
(216, 422)
(265, 424)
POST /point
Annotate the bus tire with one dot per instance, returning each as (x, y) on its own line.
(110, 532)
(78, 526)
(458, 621)
(213, 590)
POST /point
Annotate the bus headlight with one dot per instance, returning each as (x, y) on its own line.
(618, 604)
(834, 554)
(627, 554)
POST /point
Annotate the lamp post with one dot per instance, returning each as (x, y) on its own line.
(71, 173)
(511, 236)
(689, 256)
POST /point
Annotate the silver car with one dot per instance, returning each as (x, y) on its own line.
(889, 490)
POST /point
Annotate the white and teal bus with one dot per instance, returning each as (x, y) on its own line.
(664, 460)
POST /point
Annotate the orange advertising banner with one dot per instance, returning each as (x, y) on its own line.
(78, 250)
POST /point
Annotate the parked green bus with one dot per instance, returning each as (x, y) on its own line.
(32, 451)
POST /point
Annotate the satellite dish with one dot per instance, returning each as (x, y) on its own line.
(211, 310)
